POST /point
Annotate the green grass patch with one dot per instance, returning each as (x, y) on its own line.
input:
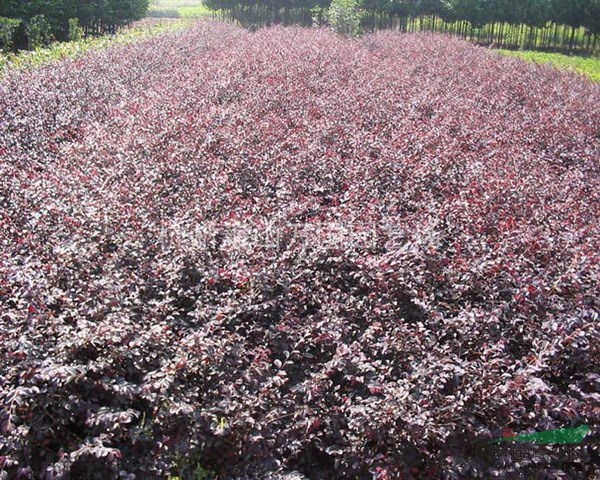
(178, 9)
(60, 50)
(163, 13)
(587, 66)
(198, 11)
(174, 4)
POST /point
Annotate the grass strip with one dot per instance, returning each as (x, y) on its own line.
(586, 66)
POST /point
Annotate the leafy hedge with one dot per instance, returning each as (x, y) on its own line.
(8, 30)
(288, 251)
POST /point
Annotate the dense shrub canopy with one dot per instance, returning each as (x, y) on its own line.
(287, 250)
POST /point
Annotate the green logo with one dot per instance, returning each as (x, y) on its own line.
(562, 436)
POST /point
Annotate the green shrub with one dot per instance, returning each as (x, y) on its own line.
(8, 29)
(75, 30)
(344, 16)
(39, 32)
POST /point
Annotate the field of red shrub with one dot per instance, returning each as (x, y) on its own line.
(227, 254)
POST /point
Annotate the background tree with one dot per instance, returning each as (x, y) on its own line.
(47, 19)
(344, 16)
(572, 13)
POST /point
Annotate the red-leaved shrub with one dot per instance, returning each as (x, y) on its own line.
(227, 254)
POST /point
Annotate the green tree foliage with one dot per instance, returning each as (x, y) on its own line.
(472, 11)
(572, 13)
(39, 31)
(8, 30)
(75, 30)
(266, 12)
(344, 16)
(47, 19)
(592, 17)
(545, 24)
(569, 12)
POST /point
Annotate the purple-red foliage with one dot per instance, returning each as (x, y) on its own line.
(286, 250)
